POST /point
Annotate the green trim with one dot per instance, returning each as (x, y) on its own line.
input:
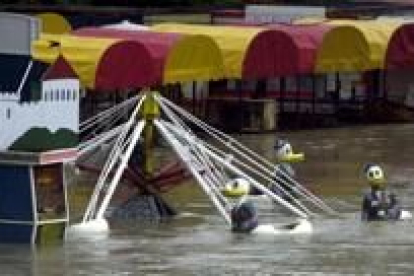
(40, 139)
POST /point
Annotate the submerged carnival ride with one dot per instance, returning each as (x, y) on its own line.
(51, 81)
(212, 164)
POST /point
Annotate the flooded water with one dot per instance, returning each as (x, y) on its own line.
(198, 242)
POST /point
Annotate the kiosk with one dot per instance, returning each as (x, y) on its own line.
(33, 196)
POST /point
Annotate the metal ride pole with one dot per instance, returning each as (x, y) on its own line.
(214, 179)
(239, 148)
(255, 183)
(258, 185)
(218, 178)
(118, 174)
(182, 152)
(246, 166)
(97, 141)
(107, 113)
(198, 148)
(202, 160)
(111, 160)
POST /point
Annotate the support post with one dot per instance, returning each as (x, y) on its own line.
(151, 111)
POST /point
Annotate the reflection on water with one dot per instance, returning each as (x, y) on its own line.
(198, 242)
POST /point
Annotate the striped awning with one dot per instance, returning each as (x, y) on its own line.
(101, 63)
(247, 50)
(400, 52)
(355, 45)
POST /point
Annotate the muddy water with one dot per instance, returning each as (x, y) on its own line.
(199, 243)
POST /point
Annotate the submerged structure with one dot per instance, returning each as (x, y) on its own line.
(212, 165)
(39, 107)
(268, 71)
(34, 204)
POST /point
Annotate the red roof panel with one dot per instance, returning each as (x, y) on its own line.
(146, 68)
(284, 50)
(60, 69)
(400, 52)
(305, 40)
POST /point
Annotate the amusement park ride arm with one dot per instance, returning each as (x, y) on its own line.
(114, 157)
(257, 163)
(210, 166)
(89, 145)
(185, 156)
(237, 171)
(120, 170)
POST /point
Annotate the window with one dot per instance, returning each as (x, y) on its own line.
(35, 91)
(291, 84)
(50, 192)
(273, 84)
(248, 85)
(8, 113)
(231, 84)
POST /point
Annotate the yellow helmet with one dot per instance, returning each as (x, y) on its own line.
(374, 174)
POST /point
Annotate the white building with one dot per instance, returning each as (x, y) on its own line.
(39, 105)
(47, 120)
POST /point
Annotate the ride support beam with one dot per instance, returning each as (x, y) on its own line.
(151, 111)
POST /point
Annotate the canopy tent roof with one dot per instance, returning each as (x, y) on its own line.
(182, 58)
(53, 23)
(247, 51)
(127, 25)
(102, 64)
(355, 45)
(296, 47)
(400, 52)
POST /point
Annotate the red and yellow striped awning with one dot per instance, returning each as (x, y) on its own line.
(400, 51)
(247, 50)
(183, 58)
(355, 45)
(108, 59)
(101, 64)
(53, 23)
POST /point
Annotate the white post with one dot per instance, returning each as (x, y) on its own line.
(247, 177)
(112, 158)
(124, 162)
(180, 150)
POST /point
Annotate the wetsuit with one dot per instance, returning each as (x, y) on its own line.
(244, 217)
(380, 204)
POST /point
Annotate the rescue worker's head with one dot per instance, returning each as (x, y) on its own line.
(284, 152)
(375, 175)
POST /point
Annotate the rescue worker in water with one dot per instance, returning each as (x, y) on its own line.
(378, 203)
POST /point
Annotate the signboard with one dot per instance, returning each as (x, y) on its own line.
(281, 14)
(17, 32)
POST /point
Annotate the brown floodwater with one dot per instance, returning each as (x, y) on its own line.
(198, 241)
